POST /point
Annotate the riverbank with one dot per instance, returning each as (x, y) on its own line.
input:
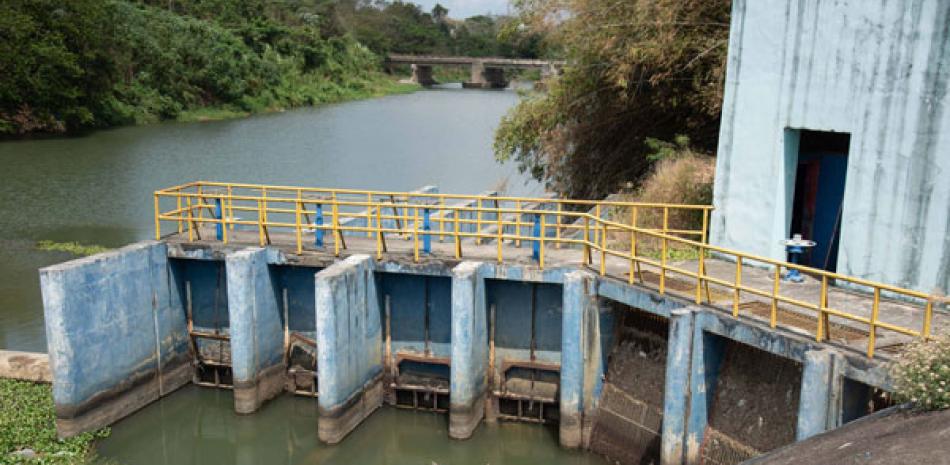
(332, 93)
(28, 428)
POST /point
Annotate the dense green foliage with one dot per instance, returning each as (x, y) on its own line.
(638, 70)
(90, 63)
(402, 27)
(27, 421)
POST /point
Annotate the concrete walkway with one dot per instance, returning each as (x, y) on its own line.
(844, 332)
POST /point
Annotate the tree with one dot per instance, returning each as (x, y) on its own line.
(638, 69)
(439, 13)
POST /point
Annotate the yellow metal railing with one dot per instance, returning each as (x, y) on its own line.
(634, 234)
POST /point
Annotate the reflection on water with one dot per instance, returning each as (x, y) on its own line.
(96, 188)
(199, 426)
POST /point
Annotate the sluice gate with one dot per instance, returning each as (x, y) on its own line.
(630, 355)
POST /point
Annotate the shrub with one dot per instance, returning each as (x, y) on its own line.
(922, 373)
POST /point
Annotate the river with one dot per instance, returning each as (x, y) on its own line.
(96, 189)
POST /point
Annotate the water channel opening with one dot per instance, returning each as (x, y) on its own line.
(417, 334)
(753, 407)
(627, 425)
(524, 350)
(298, 302)
(859, 400)
(202, 286)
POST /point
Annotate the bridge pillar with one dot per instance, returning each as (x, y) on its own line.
(483, 77)
(422, 75)
(469, 350)
(706, 360)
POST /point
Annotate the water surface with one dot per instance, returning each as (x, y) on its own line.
(97, 188)
(198, 426)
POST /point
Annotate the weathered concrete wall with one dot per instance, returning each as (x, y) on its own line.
(257, 330)
(116, 334)
(469, 350)
(349, 352)
(878, 72)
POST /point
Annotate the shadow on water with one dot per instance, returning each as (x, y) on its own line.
(199, 426)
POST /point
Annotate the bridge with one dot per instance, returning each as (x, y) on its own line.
(486, 72)
(484, 307)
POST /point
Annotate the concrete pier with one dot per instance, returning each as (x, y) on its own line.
(349, 351)
(257, 335)
(816, 394)
(115, 327)
(578, 372)
(677, 389)
(469, 349)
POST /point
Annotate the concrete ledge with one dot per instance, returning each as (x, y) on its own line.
(121, 401)
(248, 397)
(335, 424)
(25, 366)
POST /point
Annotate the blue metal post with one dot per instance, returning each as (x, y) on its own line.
(318, 223)
(536, 247)
(426, 226)
(218, 228)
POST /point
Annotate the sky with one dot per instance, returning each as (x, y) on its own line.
(460, 9)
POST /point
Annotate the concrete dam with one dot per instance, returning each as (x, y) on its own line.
(579, 314)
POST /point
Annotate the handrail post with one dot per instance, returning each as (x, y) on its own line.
(557, 227)
(590, 259)
(230, 212)
(442, 219)
(536, 232)
(260, 223)
(181, 224)
(318, 226)
(191, 221)
(456, 233)
(737, 287)
(928, 317)
(703, 239)
(426, 237)
(415, 233)
(776, 279)
(603, 249)
(298, 230)
(823, 332)
(337, 234)
(369, 214)
(223, 216)
(872, 331)
(663, 246)
(518, 223)
(218, 215)
(158, 223)
(596, 231)
(478, 221)
(700, 273)
(499, 230)
(541, 255)
(379, 235)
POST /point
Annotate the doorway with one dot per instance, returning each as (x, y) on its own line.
(821, 166)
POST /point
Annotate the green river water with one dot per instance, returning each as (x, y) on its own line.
(96, 189)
